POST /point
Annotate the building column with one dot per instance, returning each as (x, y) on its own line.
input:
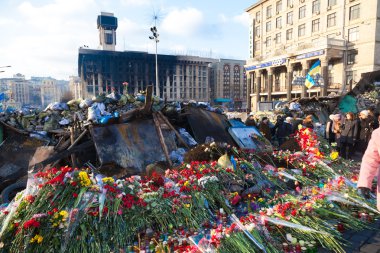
(305, 70)
(258, 84)
(289, 80)
(325, 76)
(249, 91)
(270, 83)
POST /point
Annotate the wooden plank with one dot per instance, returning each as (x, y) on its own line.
(161, 138)
(172, 128)
(72, 140)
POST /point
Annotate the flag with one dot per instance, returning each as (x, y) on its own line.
(316, 68)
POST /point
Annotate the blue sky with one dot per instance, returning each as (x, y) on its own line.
(42, 37)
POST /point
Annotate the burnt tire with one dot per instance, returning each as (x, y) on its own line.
(10, 191)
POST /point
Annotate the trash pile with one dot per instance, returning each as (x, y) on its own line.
(232, 201)
(119, 136)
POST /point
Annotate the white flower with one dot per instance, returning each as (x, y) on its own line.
(289, 237)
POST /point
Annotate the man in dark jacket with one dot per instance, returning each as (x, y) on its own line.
(365, 128)
(348, 136)
(283, 130)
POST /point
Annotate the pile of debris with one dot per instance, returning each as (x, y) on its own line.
(113, 136)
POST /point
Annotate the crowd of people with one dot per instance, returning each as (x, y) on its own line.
(348, 132)
(351, 133)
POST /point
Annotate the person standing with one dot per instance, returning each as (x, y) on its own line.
(348, 136)
(365, 128)
(283, 130)
(265, 129)
(329, 134)
(369, 167)
(250, 121)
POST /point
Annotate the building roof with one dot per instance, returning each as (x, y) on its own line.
(255, 5)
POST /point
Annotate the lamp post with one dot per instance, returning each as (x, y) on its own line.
(155, 38)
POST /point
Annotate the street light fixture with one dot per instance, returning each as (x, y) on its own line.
(155, 38)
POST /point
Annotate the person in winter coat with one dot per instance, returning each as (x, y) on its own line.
(369, 167)
(365, 128)
(250, 121)
(329, 134)
(283, 130)
(265, 129)
(348, 136)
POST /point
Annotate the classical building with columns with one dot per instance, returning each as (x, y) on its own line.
(288, 36)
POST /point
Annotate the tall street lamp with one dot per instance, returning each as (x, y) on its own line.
(155, 38)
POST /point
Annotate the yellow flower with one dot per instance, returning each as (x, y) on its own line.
(84, 179)
(334, 155)
(37, 238)
(300, 126)
(186, 183)
(64, 214)
(108, 180)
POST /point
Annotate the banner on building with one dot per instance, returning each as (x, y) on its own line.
(314, 70)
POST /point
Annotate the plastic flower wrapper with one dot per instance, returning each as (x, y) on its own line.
(75, 227)
(202, 243)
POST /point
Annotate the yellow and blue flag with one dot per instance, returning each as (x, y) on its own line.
(316, 68)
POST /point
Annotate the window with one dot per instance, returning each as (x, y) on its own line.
(315, 25)
(278, 38)
(289, 34)
(258, 15)
(301, 30)
(331, 20)
(257, 45)
(316, 6)
(267, 41)
(289, 18)
(331, 2)
(353, 34)
(268, 26)
(351, 56)
(302, 12)
(269, 11)
(355, 12)
(289, 3)
(257, 32)
(278, 22)
(279, 6)
(108, 38)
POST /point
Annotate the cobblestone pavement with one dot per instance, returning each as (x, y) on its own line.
(365, 241)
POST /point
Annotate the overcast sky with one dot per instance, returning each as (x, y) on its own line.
(42, 37)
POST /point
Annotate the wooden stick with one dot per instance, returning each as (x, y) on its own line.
(72, 145)
(148, 99)
(72, 139)
(172, 128)
(161, 137)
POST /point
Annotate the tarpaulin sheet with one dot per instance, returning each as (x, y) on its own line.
(348, 104)
(244, 137)
(205, 124)
(131, 146)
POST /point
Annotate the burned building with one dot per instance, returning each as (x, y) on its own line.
(180, 77)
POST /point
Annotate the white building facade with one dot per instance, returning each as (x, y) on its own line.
(288, 36)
